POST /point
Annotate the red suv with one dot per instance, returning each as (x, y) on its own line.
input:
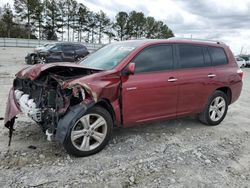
(124, 84)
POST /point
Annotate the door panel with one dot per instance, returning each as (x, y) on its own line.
(148, 96)
(152, 92)
(196, 78)
(55, 54)
(194, 89)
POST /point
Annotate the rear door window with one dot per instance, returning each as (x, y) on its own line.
(192, 56)
(68, 48)
(154, 58)
(218, 56)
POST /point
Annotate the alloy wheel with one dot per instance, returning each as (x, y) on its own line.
(217, 108)
(89, 132)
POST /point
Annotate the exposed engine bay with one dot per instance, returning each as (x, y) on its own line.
(44, 100)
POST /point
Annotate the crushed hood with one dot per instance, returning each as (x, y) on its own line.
(34, 71)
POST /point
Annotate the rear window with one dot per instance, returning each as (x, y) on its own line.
(191, 56)
(218, 56)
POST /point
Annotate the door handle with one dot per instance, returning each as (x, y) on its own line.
(131, 88)
(211, 75)
(172, 79)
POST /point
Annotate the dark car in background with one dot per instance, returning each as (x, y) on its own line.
(58, 52)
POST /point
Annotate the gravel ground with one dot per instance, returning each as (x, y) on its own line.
(175, 153)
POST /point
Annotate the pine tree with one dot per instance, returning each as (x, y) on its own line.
(121, 24)
(25, 10)
(103, 22)
(38, 16)
(7, 19)
(52, 20)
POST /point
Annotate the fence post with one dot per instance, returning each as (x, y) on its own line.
(4, 42)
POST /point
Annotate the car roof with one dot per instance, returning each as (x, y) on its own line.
(173, 40)
(70, 43)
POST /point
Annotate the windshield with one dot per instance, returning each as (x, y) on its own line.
(108, 56)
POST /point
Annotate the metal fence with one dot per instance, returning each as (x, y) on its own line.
(31, 43)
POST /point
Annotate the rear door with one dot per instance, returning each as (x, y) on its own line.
(195, 78)
(151, 93)
(68, 53)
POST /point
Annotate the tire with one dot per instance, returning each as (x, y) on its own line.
(42, 60)
(90, 138)
(214, 113)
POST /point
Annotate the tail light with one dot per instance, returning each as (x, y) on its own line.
(240, 73)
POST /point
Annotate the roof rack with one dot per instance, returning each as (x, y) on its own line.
(195, 39)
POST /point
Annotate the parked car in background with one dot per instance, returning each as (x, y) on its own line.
(246, 58)
(241, 62)
(58, 52)
(125, 84)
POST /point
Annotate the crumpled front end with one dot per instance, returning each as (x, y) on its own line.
(53, 95)
(12, 109)
(44, 98)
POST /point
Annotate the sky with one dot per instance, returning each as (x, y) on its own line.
(222, 20)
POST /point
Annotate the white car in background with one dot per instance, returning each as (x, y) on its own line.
(241, 62)
(246, 58)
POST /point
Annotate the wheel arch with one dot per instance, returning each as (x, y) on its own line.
(105, 103)
(227, 91)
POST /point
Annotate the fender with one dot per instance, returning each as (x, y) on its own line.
(72, 115)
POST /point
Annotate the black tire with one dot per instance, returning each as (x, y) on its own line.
(70, 147)
(205, 118)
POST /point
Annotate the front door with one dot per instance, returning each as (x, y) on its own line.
(151, 93)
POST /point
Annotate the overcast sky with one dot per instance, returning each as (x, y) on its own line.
(225, 20)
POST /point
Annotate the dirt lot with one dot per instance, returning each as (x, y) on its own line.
(175, 153)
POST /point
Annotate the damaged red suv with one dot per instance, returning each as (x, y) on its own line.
(124, 84)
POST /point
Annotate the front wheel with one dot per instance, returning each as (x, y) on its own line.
(90, 134)
(216, 109)
(42, 60)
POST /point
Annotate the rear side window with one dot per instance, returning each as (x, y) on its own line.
(218, 56)
(68, 48)
(155, 58)
(191, 56)
(79, 47)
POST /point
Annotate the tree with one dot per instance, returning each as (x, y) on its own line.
(7, 19)
(70, 12)
(25, 10)
(103, 22)
(38, 16)
(91, 26)
(162, 31)
(62, 19)
(81, 20)
(52, 17)
(121, 24)
(136, 23)
(150, 27)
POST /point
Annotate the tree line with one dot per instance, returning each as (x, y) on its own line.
(68, 19)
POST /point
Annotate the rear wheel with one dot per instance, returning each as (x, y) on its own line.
(216, 109)
(90, 134)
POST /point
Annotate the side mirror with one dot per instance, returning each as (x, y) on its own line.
(131, 68)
